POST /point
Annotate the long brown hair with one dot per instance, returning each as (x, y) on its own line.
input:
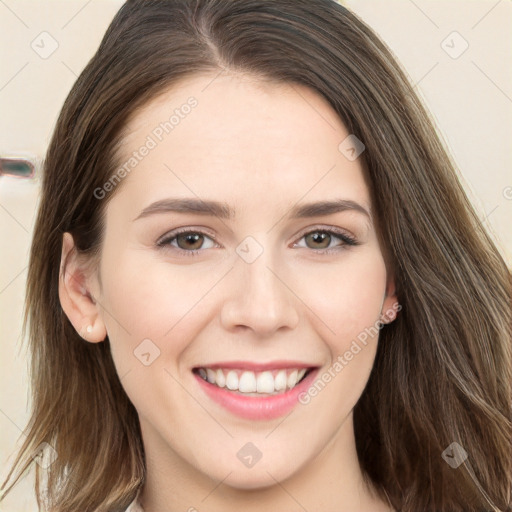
(443, 369)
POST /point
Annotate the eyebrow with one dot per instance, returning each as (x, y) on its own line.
(224, 211)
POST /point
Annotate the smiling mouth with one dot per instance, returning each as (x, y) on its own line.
(251, 383)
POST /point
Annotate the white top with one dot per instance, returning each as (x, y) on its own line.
(135, 506)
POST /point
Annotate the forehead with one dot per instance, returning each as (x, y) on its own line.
(237, 136)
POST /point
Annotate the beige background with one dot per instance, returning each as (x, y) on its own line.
(470, 97)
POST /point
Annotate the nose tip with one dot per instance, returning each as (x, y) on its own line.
(259, 300)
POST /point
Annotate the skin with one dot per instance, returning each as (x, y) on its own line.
(261, 148)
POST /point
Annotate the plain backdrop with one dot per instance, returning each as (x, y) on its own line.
(456, 53)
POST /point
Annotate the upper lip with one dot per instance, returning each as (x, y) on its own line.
(257, 367)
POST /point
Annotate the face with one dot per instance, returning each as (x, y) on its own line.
(239, 272)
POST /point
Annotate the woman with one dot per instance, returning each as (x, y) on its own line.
(255, 281)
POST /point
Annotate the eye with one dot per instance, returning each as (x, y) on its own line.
(187, 241)
(322, 239)
(191, 242)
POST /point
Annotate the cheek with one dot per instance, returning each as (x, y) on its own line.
(151, 314)
(146, 298)
(346, 315)
(344, 299)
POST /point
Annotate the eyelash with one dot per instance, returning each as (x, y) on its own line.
(347, 240)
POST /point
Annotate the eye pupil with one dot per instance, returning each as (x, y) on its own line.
(322, 240)
(189, 240)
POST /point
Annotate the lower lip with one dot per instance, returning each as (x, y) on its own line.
(253, 407)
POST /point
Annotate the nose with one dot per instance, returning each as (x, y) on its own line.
(259, 299)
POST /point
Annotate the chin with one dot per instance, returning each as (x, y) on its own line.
(245, 480)
(259, 477)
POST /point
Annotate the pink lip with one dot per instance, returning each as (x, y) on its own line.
(257, 367)
(253, 407)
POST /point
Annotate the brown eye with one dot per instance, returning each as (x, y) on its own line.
(189, 241)
(318, 240)
(325, 240)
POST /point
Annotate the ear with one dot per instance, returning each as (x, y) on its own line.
(390, 305)
(76, 300)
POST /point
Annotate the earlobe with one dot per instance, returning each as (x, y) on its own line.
(76, 300)
(389, 314)
(390, 305)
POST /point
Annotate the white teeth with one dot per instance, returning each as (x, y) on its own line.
(247, 382)
(280, 380)
(232, 380)
(210, 375)
(266, 382)
(292, 379)
(220, 380)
